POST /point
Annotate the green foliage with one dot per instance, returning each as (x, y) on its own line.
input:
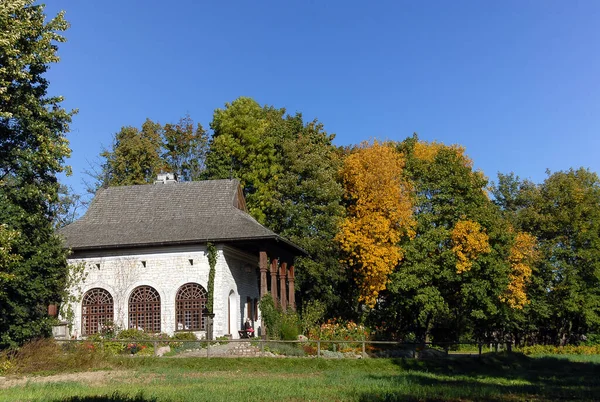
(133, 334)
(185, 149)
(243, 146)
(271, 316)
(289, 327)
(33, 150)
(184, 336)
(46, 355)
(280, 325)
(211, 251)
(560, 350)
(564, 214)
(284, 349)
(138, 155)
(433, 293)
(313, 313)
(288, 171)
(135, 156)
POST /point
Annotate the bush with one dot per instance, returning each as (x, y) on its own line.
(46, 355)
(279, 325)
(561, 350)
(289, 330)
(185, 336)
(133, 334)
(334, 330)
(285, 349)
(312, 314)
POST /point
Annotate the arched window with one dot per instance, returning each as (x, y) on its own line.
(97, 309)
(144, 309)
(190, 307)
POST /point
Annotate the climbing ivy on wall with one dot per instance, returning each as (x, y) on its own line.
(212, 262)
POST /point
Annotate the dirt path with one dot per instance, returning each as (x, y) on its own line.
(91, 378)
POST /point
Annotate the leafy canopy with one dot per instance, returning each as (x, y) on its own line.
(33, 149)
(379, 215)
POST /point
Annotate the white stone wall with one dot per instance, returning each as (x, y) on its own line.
(236, 280)
(166, 270)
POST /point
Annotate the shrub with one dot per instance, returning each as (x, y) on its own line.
(312, 314)
(285, 349)
(132, 334)
(185, 336)
(43, 355)
(334, 330)
(561, 350)
(271, 316)
(288, 330)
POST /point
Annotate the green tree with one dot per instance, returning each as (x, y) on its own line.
(135, 157)
(564, 215)
(455, 269)
(288, 170)
(185, 149)
(307, 210)
(243, 146)
(33, 149)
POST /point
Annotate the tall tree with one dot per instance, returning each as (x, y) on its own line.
(135, 157)
(288, 170)
(307, 209)
(379, 216)
(243, 146)
(185, 148)
(33, 149)
(455, 268)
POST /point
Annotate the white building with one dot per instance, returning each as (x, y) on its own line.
(145, 255)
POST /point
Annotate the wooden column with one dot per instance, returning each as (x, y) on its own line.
(282, 280)
(274, 281)
(262, 264)
(291, 280)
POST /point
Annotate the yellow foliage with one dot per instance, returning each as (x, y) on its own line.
(379, 216)
(469, 240)
(522, 255)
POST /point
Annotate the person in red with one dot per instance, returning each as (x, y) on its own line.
(248, 328)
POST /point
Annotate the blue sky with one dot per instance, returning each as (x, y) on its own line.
(515, 82)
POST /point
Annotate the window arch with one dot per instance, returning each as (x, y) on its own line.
(190, 306)
(97, 309)
(144, 309)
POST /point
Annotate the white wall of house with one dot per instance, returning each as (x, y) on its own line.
(166, 270)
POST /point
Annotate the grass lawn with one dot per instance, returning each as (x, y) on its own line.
(458, 378)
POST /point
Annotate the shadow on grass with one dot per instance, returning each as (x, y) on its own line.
(492, 377)
(114, 397)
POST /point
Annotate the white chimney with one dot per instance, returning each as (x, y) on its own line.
(164, 178)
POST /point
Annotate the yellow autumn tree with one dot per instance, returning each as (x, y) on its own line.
(469, 241)
(379, 215)
(522, 256)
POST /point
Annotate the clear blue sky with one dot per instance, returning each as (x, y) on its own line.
(516, 82)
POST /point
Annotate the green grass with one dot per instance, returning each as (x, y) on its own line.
(492, 377)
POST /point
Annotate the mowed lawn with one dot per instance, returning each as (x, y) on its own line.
(492, 377)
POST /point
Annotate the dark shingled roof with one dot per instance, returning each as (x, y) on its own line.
(161, 214)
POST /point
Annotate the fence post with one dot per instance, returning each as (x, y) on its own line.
(318, 348)
(262, 348)
(364, 353)
(207, 347)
